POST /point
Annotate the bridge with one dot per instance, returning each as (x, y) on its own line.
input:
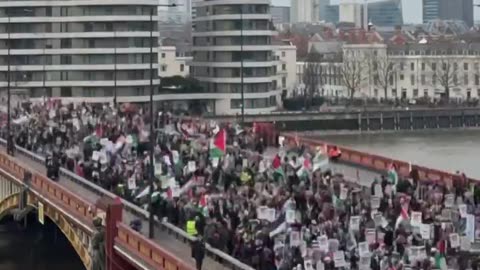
(73, 202)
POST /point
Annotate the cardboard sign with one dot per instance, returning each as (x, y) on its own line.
(354, 223)
(343, 193)
(95, 156)
(339, 259)
(416, 218)
(454, 239)
(158, 169)
(290, 216)
(294, 238)
(323, 243)
(370, 235)
(244, 163)
(271, 214)
(364, 263)
(192, 166)
(363, 249)
(375, 203)
(132, 184)
(281, 139)
(215, 161)
(425, 231)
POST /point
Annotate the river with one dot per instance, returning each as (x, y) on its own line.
(448, 150)
(38, 247)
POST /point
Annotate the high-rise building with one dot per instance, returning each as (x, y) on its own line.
(280, 14)
(328, 12)
(233, 54)
(385, 13)
(448, 10)
(304, 11)
(79, 50)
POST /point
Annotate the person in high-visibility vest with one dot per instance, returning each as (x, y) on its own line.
(191, 229)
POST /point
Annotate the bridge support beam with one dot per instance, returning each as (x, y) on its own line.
(114, 216)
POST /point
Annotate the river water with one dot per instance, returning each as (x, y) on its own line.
(448, 150)
(38, 247)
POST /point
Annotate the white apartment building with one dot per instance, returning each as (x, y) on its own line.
(417, 71)
(171, 63)
(287, 57)
(304, 11)
(233, 53)
(71, 49)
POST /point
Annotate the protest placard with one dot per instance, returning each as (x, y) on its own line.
(290, 216)
(294, 238)
(449, 200)
(354, 223)
(454, 239)
(370, 235)
(363, 249)
(375, 203)
(416, 218)
(462, 209)
(192, 166)
(323, 243)
(425, 231)
(339, 259)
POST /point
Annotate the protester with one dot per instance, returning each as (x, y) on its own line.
(198, 251)
(273, 208)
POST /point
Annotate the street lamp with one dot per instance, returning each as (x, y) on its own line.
(151, 220)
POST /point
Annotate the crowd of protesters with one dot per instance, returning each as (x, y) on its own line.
(273, 208)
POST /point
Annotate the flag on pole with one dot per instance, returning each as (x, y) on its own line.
(320, 161)
(218, 146)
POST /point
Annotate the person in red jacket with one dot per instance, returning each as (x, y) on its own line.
(334, 153)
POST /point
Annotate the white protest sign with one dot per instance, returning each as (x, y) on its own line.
(375, 203)
(363, 249)
(290, 216)
(261, 166)
(354, 223)
(416, 218)
(176, 192)
(370, 235)
(462, 209)
(262, 212)
(343, 193)
(158, 169)
(470, 227)
(323, 243)
(454, 240)
(166, 159)
(271, 214)
(175, 156)
(95, 156)
(465, 243)
(215, 161)
(339, 259)
(132, 184)
(378, 191)
(294, 238)
(449, 200)
(320, 265)
(244, 163)
(191, 166)
(364, 263)
(425, 231)
(281, 139)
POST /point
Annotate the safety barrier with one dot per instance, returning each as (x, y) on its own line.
(376, 162)
(217, 255)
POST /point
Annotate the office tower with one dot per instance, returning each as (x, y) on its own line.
(71, 49)
(304, 11)
(233, 54)
(328, 12)
(385, 13)
(280, 15)
(448, 10)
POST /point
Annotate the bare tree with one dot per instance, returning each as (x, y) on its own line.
(383, 70)
(312, 77)
(445, 74)
(352, 73)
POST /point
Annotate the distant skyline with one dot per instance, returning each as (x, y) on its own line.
(412, 9)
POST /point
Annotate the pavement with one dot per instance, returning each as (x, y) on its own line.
(167, 241)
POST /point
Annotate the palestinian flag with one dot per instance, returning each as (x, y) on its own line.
(320, 161)
(305, 169)
(203, 205)
(403, 217)
(219, 145)
(277, 166)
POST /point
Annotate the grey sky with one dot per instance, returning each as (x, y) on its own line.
(412, 9)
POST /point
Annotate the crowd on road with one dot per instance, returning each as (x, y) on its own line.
(283, 207)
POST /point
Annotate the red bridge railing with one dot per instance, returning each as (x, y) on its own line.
(375, 162)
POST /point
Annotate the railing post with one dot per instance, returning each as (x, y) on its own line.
(114, 216)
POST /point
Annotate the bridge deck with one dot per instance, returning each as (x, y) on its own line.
(163, 238)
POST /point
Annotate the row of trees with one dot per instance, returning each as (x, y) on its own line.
(379, 70)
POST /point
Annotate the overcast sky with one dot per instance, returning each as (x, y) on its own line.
(412, 9)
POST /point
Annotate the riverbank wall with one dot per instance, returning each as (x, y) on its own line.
(371, 120)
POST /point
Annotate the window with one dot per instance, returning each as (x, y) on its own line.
(283, 54)
(469, 94)
(465, 66)
(477, 79)
(164, 68)
(465, 79)
(391, 79)
(455, 79)
(401, 66)
(455, 66)
(163, 55)
(412, 79)
(284, 82)
(423, 66)
(415, 93)
(425, 92)
(284, 67)
(434, 79)
(422, 79)
(182, 67)
(434, 66)
(401, 77)
(444, 66)
(375, 92)
(412, 66)
(394, 92)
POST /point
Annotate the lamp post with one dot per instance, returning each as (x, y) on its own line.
(242, 91)
(151, 220)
